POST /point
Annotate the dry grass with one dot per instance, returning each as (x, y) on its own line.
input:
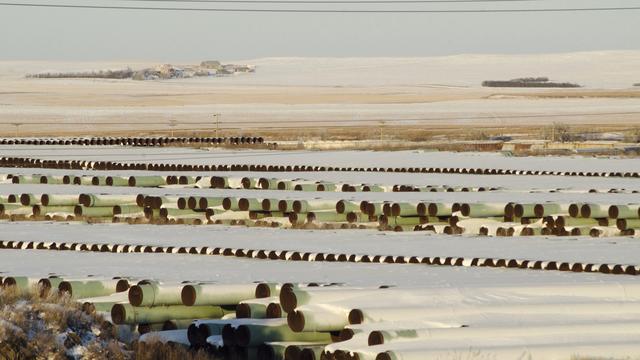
(56, 328)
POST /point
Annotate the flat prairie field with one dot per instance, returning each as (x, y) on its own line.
(287, 96)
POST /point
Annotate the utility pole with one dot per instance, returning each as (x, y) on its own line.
(381, 125)
(172, 125)
(17, 125)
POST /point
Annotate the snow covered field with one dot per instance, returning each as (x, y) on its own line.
(285, 92)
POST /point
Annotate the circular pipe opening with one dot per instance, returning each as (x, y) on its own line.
(296, 321)
(118, 314)
(188, 295)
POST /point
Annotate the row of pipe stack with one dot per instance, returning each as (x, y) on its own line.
(135, 141)
(294, 255)
(262, 183)
(489, 219)
(27, 162)
(313, 321)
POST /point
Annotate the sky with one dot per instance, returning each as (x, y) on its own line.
(94, 35)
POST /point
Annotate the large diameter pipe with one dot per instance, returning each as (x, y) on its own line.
(146, 181)
(97, 212)
(58, 200)
(326, 216)
(346, 206)
(460, 315)
(230, 203)
(101, 200)
(29, 199)
(482, 209)
(292, 297)
(153, 293)
(624, 224)
(318, 317)
(404, 209)
(249, 183)
(524, 210)
(624, 211)
(327, 186)
(305, 206)
(216, 294)
(117, 181)
(438, 334)
(52, 180)
(593, 349)
(564, 221)
(546, 209)
(128, 210)
(49, 285)
(269, 330)
(440, 209)
(254, 308)
(209, 202)
(250, 204)
(594, 211)
(15, 210)
(102, 304)
(268, 183)
(86, 288)
(128, 314)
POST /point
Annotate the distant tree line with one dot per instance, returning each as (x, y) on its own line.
(535, 82)
(102, 74)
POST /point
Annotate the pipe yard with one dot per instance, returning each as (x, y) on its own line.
(243, 252)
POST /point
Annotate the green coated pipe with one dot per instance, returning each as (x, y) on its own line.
(15, 209)
(96, 212)
(404, 209)
(102, 200)
(346, 206)
(482, 209)
(152, 293)
(102, 303)
(269, 330)
(594, 211)
(58, 200)
(254, 308)
(216, 294)
(210, 202)
(326, 216)
(85, 288)
(29, 199)
(52, 180)
(250, 204)
(128, 314)
(146, 181)
(439, 209)
(117, 181)
(128, 210)
(631, 211)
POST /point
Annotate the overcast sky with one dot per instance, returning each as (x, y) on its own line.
(82, 34)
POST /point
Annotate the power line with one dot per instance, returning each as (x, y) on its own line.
(331, 1)
(265, 10)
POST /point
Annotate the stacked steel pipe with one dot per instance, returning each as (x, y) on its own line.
(294, 321)
(136, 141)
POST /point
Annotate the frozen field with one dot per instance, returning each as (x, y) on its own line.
(297, 92)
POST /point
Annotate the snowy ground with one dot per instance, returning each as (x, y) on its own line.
(516, 188)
